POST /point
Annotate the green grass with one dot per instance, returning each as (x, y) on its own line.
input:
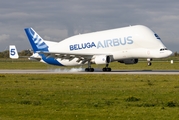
(92, 97)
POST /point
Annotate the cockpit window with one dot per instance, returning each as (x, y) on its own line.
(157, 36)
(162, 49)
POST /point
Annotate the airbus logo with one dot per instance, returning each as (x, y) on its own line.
(103, 44)
(115, 42)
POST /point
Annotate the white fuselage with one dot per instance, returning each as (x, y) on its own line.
(122, 43)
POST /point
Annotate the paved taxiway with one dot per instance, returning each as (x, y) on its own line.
(164, 72)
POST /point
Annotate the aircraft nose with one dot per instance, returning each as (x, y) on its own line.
(170, 52)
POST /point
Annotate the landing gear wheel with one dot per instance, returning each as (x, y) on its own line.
(89, 70)
(149, 63)
(86, 69)
(106, 69)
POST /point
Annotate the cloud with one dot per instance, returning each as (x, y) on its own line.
(4, 37)
(57, 20)
(55, 34)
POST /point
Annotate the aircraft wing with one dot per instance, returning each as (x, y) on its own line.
(84, 57)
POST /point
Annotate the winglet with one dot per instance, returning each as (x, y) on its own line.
(13, 54)
(37, 43)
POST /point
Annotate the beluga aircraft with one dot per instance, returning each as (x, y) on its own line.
(125, 45)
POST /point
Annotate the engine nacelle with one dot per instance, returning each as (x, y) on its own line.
(129, 61)
(101, 59)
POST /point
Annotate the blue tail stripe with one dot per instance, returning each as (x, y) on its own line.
(36, 41)
(51, 60)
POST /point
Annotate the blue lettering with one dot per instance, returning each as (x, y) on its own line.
(115, 42)
(100, 45)
(12, 52)
(79, 47)
(93, 45)
(123, 42)
(129, 40)
(109, 42)
(75, 47)
(88, 45)
(103, 44)
(71, 47)
(83, 45)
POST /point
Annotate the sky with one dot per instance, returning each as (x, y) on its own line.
(56, 20)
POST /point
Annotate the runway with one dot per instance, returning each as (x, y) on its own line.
(162, 72)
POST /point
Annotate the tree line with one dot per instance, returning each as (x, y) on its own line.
(5, 54)
(175, 54)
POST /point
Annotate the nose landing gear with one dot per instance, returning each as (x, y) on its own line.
(149, 61)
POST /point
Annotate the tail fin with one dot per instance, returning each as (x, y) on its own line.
(37, 43)
(13, 54)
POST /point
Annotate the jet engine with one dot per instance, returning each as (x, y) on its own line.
(101, 59)
(129, 61)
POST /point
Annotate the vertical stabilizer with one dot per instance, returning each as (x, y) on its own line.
(13, 54)
(37, 43)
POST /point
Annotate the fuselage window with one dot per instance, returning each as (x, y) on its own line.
(162, 49)
(157, 36)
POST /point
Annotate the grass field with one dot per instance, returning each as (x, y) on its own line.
(89, 97)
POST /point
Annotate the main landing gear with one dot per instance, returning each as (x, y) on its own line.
(149, 62)
(89, 69)
(106, 69)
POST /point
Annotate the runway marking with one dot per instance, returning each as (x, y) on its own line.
(162, 72)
